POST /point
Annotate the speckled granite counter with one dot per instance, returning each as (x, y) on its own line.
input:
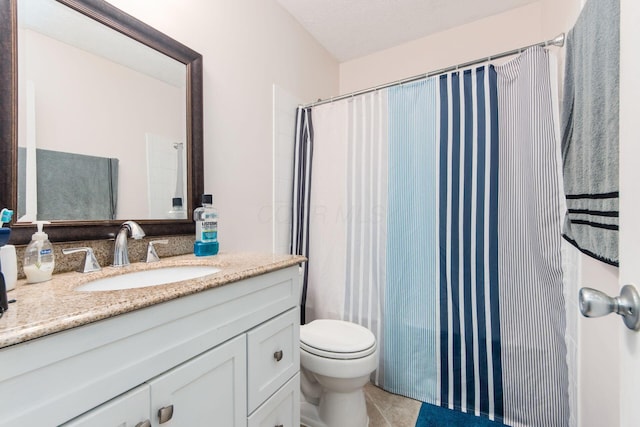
(45, 308)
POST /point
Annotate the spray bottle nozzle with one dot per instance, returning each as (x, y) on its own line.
(5, 216)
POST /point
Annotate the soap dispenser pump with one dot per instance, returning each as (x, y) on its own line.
(39, 259)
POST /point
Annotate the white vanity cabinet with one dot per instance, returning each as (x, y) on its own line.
(224, 357)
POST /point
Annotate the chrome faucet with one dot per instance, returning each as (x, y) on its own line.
(120, 250)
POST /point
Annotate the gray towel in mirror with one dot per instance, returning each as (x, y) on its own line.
(71, 186)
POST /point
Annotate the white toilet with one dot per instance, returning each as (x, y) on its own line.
(336, 361)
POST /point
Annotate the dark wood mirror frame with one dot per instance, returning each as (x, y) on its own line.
(114, 18)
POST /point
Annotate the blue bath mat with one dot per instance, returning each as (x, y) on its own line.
(436, 416)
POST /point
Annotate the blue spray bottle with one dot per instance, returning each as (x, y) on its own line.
(5, 233)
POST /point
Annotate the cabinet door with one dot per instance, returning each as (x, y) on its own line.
(128, 410)
(208, 390)
(282, 409)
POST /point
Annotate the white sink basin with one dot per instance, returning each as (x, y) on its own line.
(140, 279)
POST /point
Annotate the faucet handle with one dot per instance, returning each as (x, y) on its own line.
(152, 255)
(90, 262)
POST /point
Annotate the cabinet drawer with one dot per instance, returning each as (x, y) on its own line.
(282, 409)
(273, 356)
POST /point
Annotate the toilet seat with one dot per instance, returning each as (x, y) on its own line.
(337, 339)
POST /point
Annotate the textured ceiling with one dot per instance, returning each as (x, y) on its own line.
(352, 28)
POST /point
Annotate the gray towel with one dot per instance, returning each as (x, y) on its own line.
(71, 186)
(590, 111)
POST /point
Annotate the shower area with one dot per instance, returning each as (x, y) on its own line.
(432, 211)
(435, 217)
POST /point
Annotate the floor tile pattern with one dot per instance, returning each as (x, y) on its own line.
(390, 410)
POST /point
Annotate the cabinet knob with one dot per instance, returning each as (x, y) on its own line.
(165, 414)
(278, 356)
(145, 423)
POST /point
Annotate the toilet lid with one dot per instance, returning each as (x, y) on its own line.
(337, 339)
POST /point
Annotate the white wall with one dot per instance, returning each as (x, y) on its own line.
(247, 46)
(284, 122)
(495, 34)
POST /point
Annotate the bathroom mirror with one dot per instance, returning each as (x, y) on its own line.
(100, 121)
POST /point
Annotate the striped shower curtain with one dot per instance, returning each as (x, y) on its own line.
(300, 198)
(434, 220)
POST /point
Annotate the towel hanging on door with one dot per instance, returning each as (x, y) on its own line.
(590, 111)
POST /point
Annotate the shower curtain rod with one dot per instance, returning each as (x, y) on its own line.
(556, 41)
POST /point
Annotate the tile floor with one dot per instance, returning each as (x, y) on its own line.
(390, 410)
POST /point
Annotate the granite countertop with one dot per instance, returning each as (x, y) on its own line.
(53, 306)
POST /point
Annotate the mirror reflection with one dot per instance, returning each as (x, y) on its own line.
(102, 121)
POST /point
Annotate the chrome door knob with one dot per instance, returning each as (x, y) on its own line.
(594, 303)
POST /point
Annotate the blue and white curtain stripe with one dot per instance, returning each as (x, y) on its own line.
(470, 359)
(435, 222)
(412, 327)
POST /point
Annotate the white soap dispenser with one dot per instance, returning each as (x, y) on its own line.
(38, 257)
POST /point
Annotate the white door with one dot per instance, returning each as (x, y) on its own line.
(629, 202)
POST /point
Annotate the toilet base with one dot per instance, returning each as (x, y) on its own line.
(335, 410)
(309, 415)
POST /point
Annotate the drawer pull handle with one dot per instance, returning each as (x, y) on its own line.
(279, 425)
(278, 356)
(165, 414)
(145, 423)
